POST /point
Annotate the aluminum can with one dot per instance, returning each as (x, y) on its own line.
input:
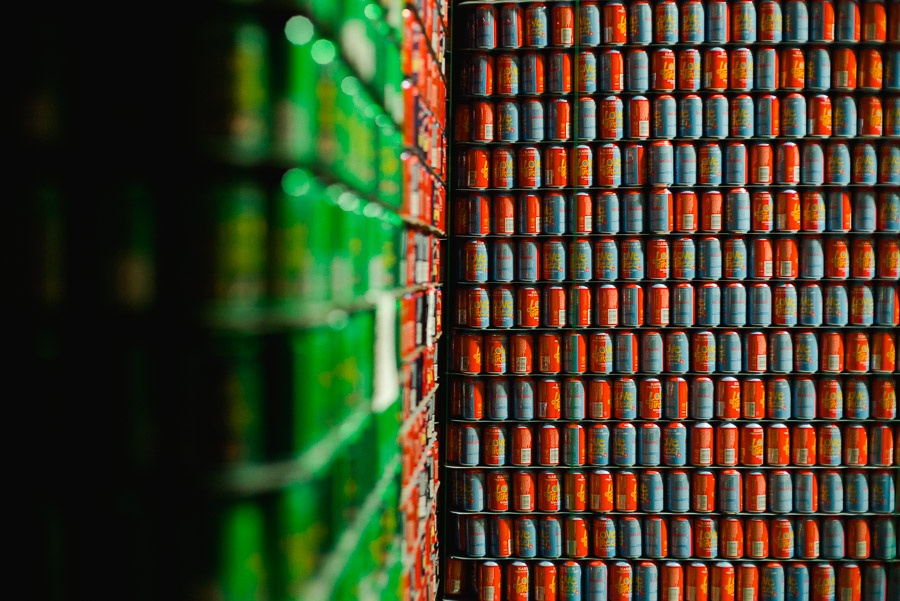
(611, 71)
(755, 487)
(507, 71)
(715, 69)
(689, 70)
(766, 71)
(730, 493)
(692, 26)
(637, 70)
(709, 305)
(717, 22)
(611, 118)
(651, 491)
(793, 69)
(664, 120)
(550, 537)
(586, 119)
(537, 25)
(843, 116)
(481, 75)
(711, 165)
(760, 305)
(588, 24)
(685, 165)
(675, 445)
(532, 125)
(614, 23)
(706, 542)
(662, 72)
(701, 444)
(684, 260)
(818, 69)
(843, 69)
(736, 166)
(586, 66)
(690, 117)
(871, 69)
(559, 119)
(865, 164)
(704, 351)
(813, 171)
(609, 173)
(626, 491)
(702, 387)
(638, 120)
(559, 80)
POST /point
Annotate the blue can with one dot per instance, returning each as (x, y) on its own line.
(717, 22)
(664, 119)
(760, 308)
(640, 23)
(649, 452)
(469, 446)
(523, 407)
(610, 79)
(806, 501)
(625, 403)
(793, 116)
(772, 582)
(628, 537)
(537, 25)
(767, 117)
(582, 260)
(587, 72)
(651, 352)
(811, 305)
(646, 581)
(709, 303)
(632, 263)
(685, 164)
(662, 164)
(596, 581)
(551, 537)
(525, 539)
(684, 260)
(765, 69)
(796, 21)
(781, 352)
(678, 491)
(864, 211)
(837, 307)
(690, 117)
(736, 169)
(701, 398)
(508, 117)
(498, 399)
(889, 211)
(716, 116)
(502, 260)
(734, 306)
(806, 353)
(554, 261)
(779, 399)
(876, 582)
(653, 537)
(711, 164)
(744, 19)
(729, 491)
(737, 219)
(633, 221)
(865, 164)
(659, 211)
(532, 120)
(512, 26)
(675, 445)
(637, 71)
(710, 259)
(813, 171)
(843, 116)
(609, 526)
(476, 536)
(680, 536)
(891, 69)
(677, 354)
(883, 492)
(803, 393)
(598, 447)
(780, 492)
(692, 23)
(797, 582)
(607, 263)
(812, 259)
(624, 445)
(856, 492)
(831, 492)
(742, 112)
(473, 491)
(633, 171)
(818, 69)
(629, 308)
(589, 25)
(574, 399)
(891, 116)
(833, 539)
(570, 581)
(884, 305)
(651, 485)
(890, 164)
(553, 216)
(683, 315)
(856, 405)
(729, 352)
(527, 263)
(839, 172)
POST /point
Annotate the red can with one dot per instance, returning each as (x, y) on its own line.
(548, 492)
(584, 213)
(556, 170)
(728, 398)
(563, 20)
(843, 69)
(522, 351)
(803, 447)
(888, 265)
(715, 69)
(726, 444)
(494, 446)
(830, 399)
(527, 307)
(478, 168)
(517, 580)
(787, 258)
(521, 445)
(741, 69)
(497, 352)
(657, 259)
(761, 164)
(703, 485)
(580, 306)
(463, 128)
(498, 490)
(756, 350)
(751, 445)
(583, 167)
(488, 580)
(523, 491)
(626, 491)
(658, 299)
(639, 117)
(689, 69)
(705, 545)
(548, 399)
(761, 208)
(576, 537)
(601, 484)
(849, 577)
(711, 211)
(662, 73)
(857, 358)
(747, 582)
(575, 491)
(601, 353)
(650, 394)
(671, 581)
(753, 394)
(862, 264)
(554, 306)
(483, 122)
(607, 305)
(701, 444)
(469, 353)
(686, 209)
(549, 348)
(871, 123)
(614, 28)
(545, 581)
(731, 541)
(778, 445)
(819, 116)
(549, 445)
(782, 543)
(832, 345)
(620, 581)
(884, 353)
(793, 69)
(871, 69)
(599, 399)
(697, 582)
(757, 538)
(855, 445)
(755, 488)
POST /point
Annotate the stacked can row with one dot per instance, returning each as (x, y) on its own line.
(716, 69)
(610, 305)
(674, 398)
(699, 444)
(555, 212)
(663, 164)
(599, 491)
(593, 23)
(672, 581)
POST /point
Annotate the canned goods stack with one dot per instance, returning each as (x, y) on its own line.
(676, 235)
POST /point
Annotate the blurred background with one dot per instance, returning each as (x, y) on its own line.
(226, 233)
